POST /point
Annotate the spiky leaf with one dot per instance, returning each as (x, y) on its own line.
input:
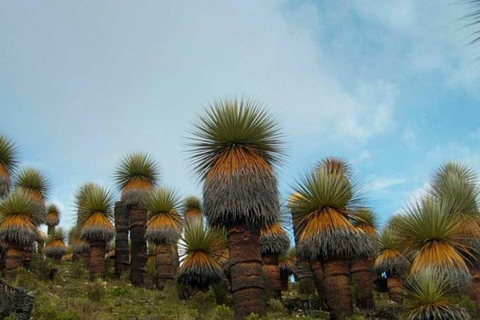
(8, 164)
(274, 239)
(53, 215)
(55, 245)
(390, 259)
(17, 213)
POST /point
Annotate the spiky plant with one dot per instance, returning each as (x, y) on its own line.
(287, 264)
(36, 184)
(274, 241)
(17, 227)
(55, 246)
(78, 245)
(163, 228)
(52, 218)
(122, 250)
(192, 208)
(203, 249)
(152, 251)
(235, 145)
(95, 224)
(433, 237)
(322, 213)
(428, 297)
(336, 166)
(361, 268)
(41, 238)
(8, 164)
(137, 175)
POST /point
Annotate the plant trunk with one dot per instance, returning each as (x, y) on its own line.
(13, 259)
(86, 259)
(27, 256)
(138, 226)
(304, 273)
(51, 230)
(338, 293)
(361, 274)
(246, 274)
(473, 291)
(284, 280)
(58, 259)
(164, 265)
(175, 258)
(271, 274)
(121, 239)
(97, 259)
(317, 272)
(395, 288)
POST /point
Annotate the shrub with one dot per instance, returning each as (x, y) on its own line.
(222, 312)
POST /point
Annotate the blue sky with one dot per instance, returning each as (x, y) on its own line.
(391, 86)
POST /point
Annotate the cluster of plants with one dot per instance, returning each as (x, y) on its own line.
(229, 252)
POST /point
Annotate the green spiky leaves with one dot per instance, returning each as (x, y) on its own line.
(193, 203)
(164, 221)
(55, 245)
(95, 214)
(274, 239)
(34, 182)
(390, 259)
(17, 213)
(8, 164)
(53, 215)
(136, 175)
(231, 124)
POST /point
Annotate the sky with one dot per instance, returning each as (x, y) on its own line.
(391, 86)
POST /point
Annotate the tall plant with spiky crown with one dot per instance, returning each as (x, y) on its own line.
(203, 251)
(322, 212)
(78, 245)
(17, 227)
(95, 224)
(428, 296)
(361, 268)
(163, 228)
(55, 246)
(52, 218)
(390, 260)
(434, 237)
(274, 241)
(8, 164)
(234, 148)
(137, 175)
(192, 208)
(41, 238)
(287, 264)
(36, 184)
(122, 249)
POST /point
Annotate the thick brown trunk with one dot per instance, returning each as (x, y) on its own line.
(361, 274)
(337, 288)
(138, 226)
(304, 273)
(317, 272)
(271, 274)
(86, 259)
(284, 280)
(13, 259)
(27, 256)
(97, 259)
(175, 258)
(246, 274)
(473, 292)
(51, 230)
(121, 239)
(164, 265)
(395, 289)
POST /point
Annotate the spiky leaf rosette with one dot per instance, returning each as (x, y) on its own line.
(151, 249)
(41, 236)
(17, 214)
(274, 239)
(36, 184)
(53, 216)
(55, 245)
(337, 166)
(286, 261)
(203, 254)
(136, 175)
(192, 207)
(8, 164)
(321, 210)
(366, 220)
(77, 244)
(428, 297)
(390, 259)
(234, 148)
(96, 215)
(457, 184)
(433, 237)
(164, 222)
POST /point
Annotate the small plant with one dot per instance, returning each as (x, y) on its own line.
(222, 312)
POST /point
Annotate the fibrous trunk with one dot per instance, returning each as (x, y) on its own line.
(138, 227)
(304, 274)
(86, 258)
(175, 257)
(27, 256)
(361, 275)
(121, 239)
(337, 288)
(13, 259)
(473, 291)
(51, 230)
(246, 274)
(395, 288)
(97, 259)
(271, 274)
(317, 272)
(164, 264)
(284, 280)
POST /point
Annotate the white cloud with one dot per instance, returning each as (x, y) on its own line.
(384, 183)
